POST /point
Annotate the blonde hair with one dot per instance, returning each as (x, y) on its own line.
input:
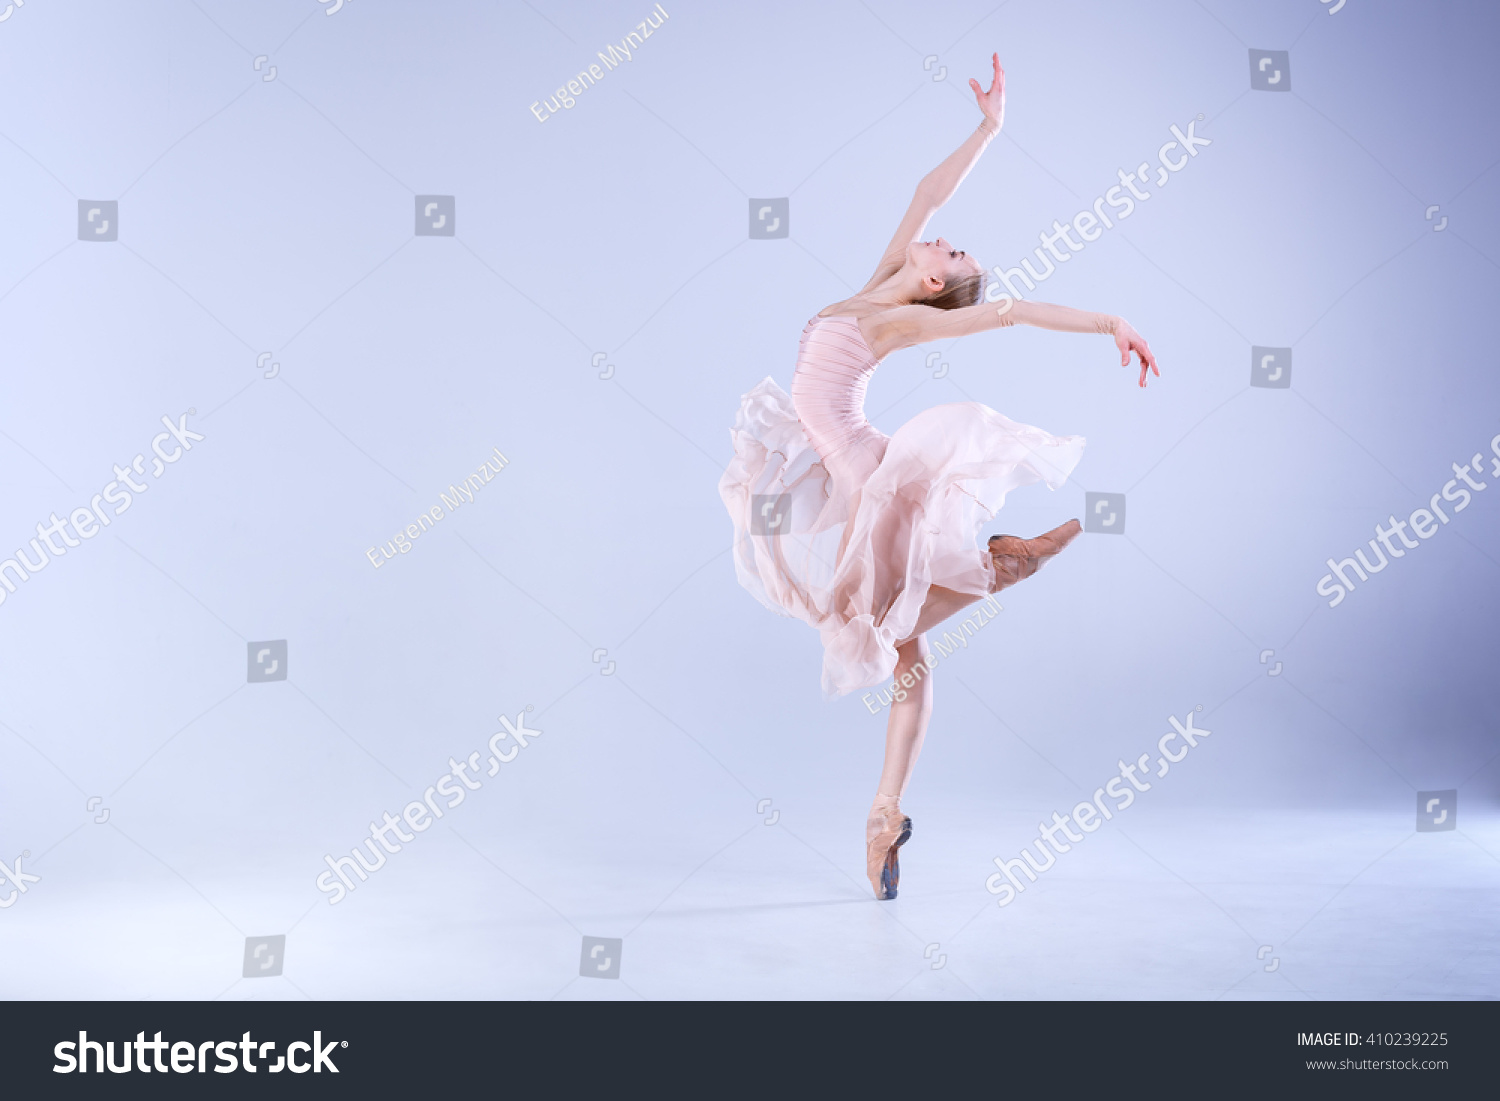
(964, 291)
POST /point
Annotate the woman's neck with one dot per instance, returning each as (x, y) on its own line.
(894, 292)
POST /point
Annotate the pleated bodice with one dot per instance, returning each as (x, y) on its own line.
(834, 365)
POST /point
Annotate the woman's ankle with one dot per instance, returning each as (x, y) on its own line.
(884, 805)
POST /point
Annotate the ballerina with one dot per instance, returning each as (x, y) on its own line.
(871, 538)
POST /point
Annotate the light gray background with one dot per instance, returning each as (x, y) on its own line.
(276, 216)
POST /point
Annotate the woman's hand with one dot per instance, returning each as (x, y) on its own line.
(992, 103)
(1128, 340)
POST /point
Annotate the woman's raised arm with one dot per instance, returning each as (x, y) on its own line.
(939, 185)
(905, 326)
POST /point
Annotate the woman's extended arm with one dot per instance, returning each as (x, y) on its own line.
(939, 185)
(908, 325)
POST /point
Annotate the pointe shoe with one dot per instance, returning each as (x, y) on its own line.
(881, 865)
(1016, 559)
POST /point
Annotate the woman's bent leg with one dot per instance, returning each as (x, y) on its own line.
(1012, 559)
(940, 604)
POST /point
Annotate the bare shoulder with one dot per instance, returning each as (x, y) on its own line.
(848, 307)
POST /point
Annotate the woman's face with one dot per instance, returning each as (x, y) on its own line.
(941, 261)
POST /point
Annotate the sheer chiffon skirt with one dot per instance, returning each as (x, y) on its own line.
(851, 545)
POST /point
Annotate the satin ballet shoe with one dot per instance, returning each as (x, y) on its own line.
(881, 864)
(1016, 559)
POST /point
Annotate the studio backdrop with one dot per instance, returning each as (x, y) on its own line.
(369, 625)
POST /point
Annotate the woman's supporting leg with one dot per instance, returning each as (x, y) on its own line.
(907, 724)
(888, 827)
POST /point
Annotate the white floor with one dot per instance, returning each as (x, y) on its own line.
(1207, 904)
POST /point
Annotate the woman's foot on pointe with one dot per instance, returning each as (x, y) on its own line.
(886, 831)
(1016, 559)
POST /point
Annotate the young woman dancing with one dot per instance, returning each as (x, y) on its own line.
(871, 538)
